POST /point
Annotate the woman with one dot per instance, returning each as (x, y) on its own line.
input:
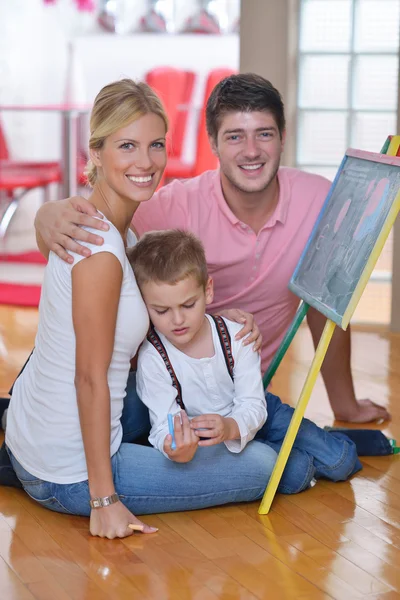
(64, 431)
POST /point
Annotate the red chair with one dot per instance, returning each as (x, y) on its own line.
(175, 88)
(179, 130)
(18, 178)
(3, 145)
(205, 160)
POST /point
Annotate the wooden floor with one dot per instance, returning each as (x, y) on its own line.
(334, 541)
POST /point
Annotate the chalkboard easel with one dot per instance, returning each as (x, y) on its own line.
(343, 248)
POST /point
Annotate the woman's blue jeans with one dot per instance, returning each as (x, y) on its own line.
(147, 482)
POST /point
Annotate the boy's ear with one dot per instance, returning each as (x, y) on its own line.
(94, 155)
(209, 291)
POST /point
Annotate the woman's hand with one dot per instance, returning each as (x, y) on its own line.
(58, 224)
(249, 327)
(186, 440)
(216, 428)
(112, 522)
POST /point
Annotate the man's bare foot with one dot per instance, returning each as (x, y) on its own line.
(366, 412)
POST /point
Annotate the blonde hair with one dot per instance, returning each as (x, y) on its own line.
(168, 256)
(115, 106)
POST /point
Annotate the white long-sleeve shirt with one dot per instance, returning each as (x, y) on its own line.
(206, 387)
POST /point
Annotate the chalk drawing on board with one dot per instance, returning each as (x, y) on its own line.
(357, 207)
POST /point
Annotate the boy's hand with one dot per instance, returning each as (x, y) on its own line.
(218, 429)
(59, 225)
(186, 440)
(250, 327)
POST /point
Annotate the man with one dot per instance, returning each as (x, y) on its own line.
(253, 217)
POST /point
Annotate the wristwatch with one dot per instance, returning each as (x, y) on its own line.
(106, 501)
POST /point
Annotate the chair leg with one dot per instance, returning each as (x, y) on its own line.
(46, 193)
(7, 216)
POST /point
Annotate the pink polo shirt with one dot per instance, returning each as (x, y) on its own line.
(250, 271)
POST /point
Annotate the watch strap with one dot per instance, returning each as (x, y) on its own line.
(106, 501)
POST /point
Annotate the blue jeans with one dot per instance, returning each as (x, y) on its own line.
(147, 482)
(316, 453)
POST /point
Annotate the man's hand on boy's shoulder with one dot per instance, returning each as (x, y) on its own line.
(249, 329)
(215, 428)
(186, 440)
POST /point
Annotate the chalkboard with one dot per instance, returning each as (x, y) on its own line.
(349, 234)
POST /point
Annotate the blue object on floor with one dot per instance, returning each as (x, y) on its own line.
(369, 442)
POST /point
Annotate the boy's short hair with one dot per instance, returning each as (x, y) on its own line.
(168, 257)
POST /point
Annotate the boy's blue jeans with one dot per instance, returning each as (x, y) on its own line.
(316, 453)
(149, 483)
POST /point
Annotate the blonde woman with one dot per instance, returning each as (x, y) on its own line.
(64, 432)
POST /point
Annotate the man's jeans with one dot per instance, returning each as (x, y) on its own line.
(316, 453)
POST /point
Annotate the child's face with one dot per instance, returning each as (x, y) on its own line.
(178, 310)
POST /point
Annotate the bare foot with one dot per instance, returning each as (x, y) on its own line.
(366, 412)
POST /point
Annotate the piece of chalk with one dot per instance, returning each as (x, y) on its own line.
(171, 430)
(136, 527)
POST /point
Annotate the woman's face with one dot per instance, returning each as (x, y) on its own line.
(132, 160)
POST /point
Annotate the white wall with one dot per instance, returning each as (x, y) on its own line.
(104, 58)
(34, 64)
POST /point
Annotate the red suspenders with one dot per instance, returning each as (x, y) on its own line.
(225, 341)
(154, 339)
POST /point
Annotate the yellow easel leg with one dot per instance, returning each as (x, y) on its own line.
(297, 417)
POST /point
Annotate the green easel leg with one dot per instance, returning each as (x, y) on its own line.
(386, 145)
(280, 353)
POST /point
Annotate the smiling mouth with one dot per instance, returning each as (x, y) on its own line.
(250, 168)
(140, 179)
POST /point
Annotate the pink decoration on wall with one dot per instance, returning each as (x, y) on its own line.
(88, 5)
(82, 5)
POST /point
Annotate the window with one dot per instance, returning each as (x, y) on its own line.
(347, 95)
(348, 64)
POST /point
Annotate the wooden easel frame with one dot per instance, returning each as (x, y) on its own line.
(391, 148)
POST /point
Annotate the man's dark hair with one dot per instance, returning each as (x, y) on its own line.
(246, 92)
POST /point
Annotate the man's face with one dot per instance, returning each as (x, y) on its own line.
(249, 149)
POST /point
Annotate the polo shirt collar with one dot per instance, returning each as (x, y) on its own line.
(280, 212)
(223, 205)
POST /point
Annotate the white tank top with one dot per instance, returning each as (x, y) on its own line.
(43, 428)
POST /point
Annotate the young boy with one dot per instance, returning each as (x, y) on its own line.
(191, 366)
